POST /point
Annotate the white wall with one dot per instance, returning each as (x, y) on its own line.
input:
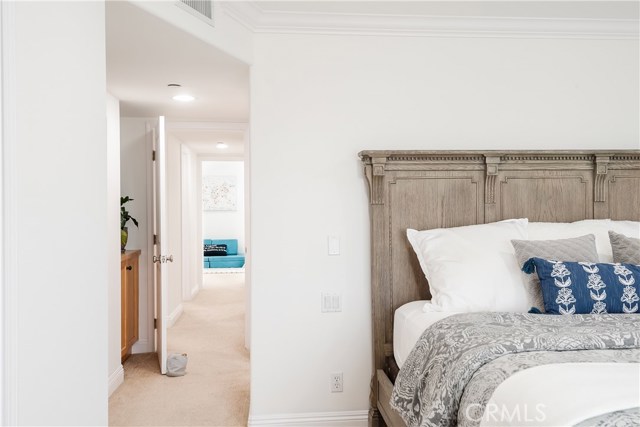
(225, 224)
(7, 74)
(343, 94)
(115, 371)
(227, 34)
(57, 208)
(174, 222)
(134, 177)
(191, 241)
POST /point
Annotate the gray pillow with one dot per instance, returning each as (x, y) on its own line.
(576, 249)
(626, 250)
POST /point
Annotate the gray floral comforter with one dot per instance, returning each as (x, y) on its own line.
(625, 418)
(432, 380)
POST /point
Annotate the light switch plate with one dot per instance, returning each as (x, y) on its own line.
(334, 245)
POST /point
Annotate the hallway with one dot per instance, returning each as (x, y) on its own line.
(215, 390)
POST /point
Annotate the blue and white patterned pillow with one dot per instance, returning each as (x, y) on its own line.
(586, 287)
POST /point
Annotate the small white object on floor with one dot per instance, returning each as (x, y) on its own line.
(177, 364)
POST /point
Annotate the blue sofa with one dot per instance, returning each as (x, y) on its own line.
(231, 260)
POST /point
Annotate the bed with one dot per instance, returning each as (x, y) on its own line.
(426, 190)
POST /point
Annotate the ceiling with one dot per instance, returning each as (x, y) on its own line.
(145, 54)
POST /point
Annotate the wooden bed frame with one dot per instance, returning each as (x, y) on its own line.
(433, 189)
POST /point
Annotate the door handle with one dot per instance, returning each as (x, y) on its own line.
(129, 267)
(163, 259)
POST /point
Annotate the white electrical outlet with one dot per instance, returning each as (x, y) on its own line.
(336, 382)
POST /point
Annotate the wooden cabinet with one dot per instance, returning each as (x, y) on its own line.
(129, 273)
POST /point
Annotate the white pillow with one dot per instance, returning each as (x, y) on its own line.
(598, 227)
(472, 268)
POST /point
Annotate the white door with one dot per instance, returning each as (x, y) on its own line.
(161, 254)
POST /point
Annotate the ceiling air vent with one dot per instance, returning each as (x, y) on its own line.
(203, 9)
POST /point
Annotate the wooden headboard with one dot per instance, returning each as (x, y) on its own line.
(433, 189)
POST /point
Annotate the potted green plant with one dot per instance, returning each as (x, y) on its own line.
(124, 218)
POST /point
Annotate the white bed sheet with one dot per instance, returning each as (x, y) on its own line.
(568, 392)
(409, 323)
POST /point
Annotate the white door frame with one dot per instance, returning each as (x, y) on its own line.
(161, 248)
(8, 221)
(247, 239)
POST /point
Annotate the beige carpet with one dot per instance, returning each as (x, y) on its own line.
(215, 391)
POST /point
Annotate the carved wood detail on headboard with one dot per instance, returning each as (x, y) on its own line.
(432, 189)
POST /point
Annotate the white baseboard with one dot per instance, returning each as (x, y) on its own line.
(116, 379)
(312, 419)
(174, 316)
(194, 292)
(142, 346)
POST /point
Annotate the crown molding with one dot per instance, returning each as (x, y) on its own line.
(256, 19)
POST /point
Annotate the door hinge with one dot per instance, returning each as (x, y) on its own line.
(155, 323)
(155, 239)
(153, 155)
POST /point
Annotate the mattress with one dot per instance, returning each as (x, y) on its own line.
(409, 323)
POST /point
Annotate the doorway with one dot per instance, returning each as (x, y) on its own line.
(145, 71)
(223, 215)
(206, 319)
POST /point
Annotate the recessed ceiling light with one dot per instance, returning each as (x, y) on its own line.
(183, 98)
(221, 145)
